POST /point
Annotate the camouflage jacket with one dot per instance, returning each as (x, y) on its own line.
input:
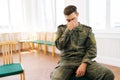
(77, 45)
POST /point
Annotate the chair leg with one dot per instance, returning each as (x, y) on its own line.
(22, 76)
(33, 46)
(38, 47)
(15, 48)
(53, 51)
(28, 46)
(45, 49)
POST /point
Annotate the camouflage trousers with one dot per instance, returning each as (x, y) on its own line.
(95, 71)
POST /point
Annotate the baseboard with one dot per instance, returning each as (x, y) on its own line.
(108, 60)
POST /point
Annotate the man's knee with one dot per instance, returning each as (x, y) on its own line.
(109, 75)
(54, 76)
(61, 73)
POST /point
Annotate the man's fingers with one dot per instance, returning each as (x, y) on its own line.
(80, 73)
(71, 25)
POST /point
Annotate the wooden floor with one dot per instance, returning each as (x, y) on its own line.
(39, 66)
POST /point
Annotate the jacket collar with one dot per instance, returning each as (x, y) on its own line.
(79, 27)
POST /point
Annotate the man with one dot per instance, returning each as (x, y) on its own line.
(78, 49)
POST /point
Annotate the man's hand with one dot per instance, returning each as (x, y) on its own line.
(81, 70)
(71, 25)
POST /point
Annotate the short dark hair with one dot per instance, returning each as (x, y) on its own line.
(70, 9)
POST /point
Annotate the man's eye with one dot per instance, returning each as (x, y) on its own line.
(68, 20)
(73, 18)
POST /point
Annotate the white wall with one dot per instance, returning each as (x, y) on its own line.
(30, 15)
(108, 48)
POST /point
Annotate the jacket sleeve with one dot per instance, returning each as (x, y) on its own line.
(90, 48)
(62, 37)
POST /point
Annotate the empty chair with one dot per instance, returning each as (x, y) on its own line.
(13, 37)
(10, 65)
(50, 38)
(41, 39)
(24, 39)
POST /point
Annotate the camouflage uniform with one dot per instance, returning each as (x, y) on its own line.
(77, 46)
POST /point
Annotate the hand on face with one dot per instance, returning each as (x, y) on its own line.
(72, 20)
(72, 24)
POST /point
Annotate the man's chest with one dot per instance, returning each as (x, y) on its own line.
(78, 38)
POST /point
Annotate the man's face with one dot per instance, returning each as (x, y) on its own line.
(72, 17)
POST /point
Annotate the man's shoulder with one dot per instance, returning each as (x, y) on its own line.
(62, 26)
(86, 26)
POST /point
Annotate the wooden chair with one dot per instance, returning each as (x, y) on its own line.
(50, 38)
(38, 46)
(28, 39)
(10, 65)
(24, 40)
(41, 41)
(31, 38)
(5, 37)
(14, 39)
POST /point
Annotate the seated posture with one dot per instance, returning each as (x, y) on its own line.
(78, 49)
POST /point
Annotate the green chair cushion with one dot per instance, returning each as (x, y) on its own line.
(10, 69)
(50, 43)
(39, 41)
(44, 42)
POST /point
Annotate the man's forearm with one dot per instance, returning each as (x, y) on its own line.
(62, 41)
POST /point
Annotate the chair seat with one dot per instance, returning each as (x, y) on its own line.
(50, 43)
(39, 41)
(78, 78)
(10, 69)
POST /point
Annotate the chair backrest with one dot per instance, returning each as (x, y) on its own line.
(38, 35)
(43, 36)
(5, 37)
(53, 36)
(7, 53)
(32, 36)
(50, 36)
(16, 36)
